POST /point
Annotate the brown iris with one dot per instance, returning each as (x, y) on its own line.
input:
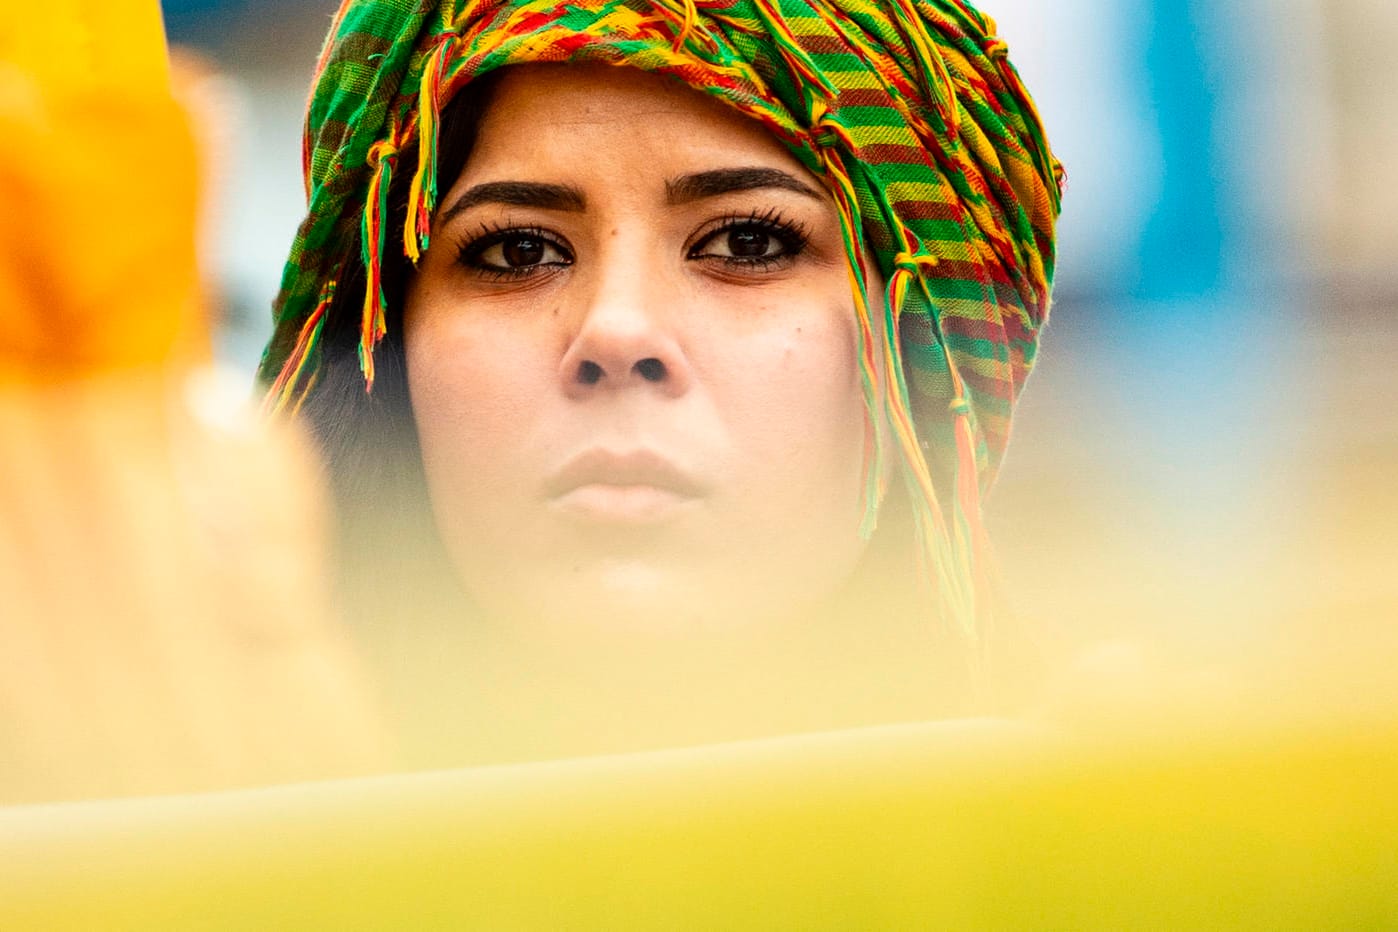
(749, 243)
(519, 251)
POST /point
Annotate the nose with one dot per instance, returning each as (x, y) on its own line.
(626, 339)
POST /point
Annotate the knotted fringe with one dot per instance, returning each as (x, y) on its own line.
(963, 542)
(952, 558)
(956, 556)
(307, 342)
(422, 193)
(373, 324)
(967, 587)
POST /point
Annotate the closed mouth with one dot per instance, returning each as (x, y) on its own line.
(628, 487)
(622, 470)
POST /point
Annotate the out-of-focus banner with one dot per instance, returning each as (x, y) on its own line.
(1172, 824)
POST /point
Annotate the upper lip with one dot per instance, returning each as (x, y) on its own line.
(623, 468)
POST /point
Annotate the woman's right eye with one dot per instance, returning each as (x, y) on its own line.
(515, 253)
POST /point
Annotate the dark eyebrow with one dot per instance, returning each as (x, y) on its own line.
(517, 194)
(700, 185)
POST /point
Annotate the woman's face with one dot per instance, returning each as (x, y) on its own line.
(631, 353)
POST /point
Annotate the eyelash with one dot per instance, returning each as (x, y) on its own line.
(493, 235)
(792, 236)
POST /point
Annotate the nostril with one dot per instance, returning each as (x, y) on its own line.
(652, 370)
(589, 373)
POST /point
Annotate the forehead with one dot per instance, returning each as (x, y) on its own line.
(571, 112)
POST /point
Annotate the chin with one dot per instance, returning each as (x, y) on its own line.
(634, 599)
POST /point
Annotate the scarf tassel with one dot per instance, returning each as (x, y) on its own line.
(292, 372)
(948, 560)
(951, 555)
(422, 193)
(373, 324)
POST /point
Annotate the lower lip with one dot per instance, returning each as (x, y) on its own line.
(621, 504)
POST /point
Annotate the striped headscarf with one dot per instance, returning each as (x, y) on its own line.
(908, 110)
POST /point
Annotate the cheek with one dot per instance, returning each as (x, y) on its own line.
(798, 406)
(471, 388)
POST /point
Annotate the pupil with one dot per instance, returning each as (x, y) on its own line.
(523, 250)
(748, 244)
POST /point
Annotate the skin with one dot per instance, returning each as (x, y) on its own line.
(631, 352)
(679, 306)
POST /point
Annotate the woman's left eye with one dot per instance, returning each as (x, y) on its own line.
(744, 243)
(515, 253)
(760, 242)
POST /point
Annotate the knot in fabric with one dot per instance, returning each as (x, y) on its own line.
(827, 131)
(915, 262)
(380, 151)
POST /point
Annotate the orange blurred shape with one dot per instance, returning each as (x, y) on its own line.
(101, 182)
(163, 625)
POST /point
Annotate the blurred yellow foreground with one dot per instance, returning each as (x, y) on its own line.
(969, 825)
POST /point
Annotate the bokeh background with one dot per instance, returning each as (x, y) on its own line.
(1206, 457)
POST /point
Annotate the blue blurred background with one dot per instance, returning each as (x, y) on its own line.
(1208, 446)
